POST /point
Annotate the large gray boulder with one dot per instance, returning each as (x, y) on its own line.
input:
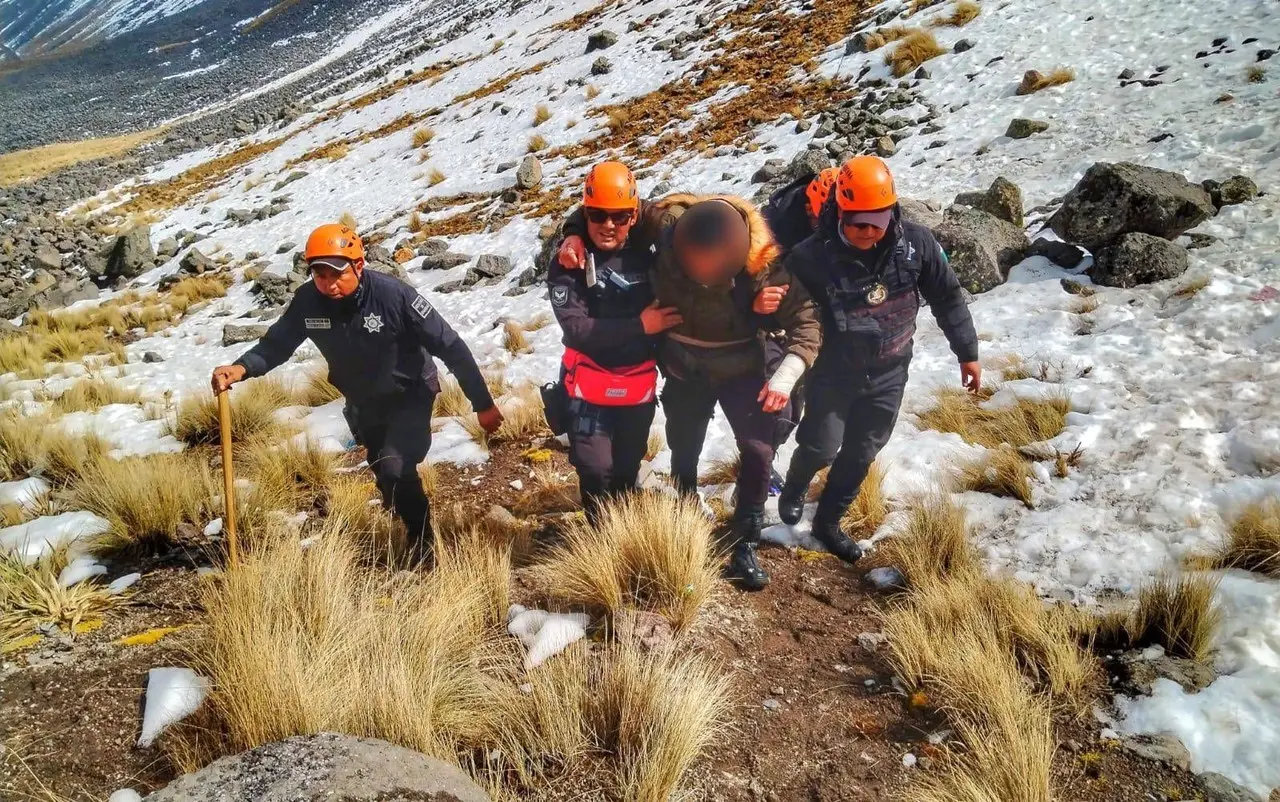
(529, 173)
(236, 333)
(921, 213)
(131, 254)
(982, 247)
(276, 289)
(1219, 789)
(1160, 749)
(805, 164)
(327, 767)
(445, 260)
(1115, 199)
(380, 259)
(1002, 199)
(491, 265)
(1136, 259)
(47, 258)
(195, 263)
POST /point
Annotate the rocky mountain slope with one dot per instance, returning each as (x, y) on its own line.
(1112, 211)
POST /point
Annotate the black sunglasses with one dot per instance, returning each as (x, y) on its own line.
(599, 216)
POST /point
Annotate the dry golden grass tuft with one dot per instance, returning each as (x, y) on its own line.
(31, 595)
(354, 509)
(1018, 424)
(349, 220)
(1177, 613)
(26, 165)
(883, 36)
(654, 445)
(93, 394)
(1253, 543)
(451, 402)
(548, 491)
(317, 391)
(423, 136)
(35, 445)
(298, 473)
(540, 321)
(435, 176)
(146, 499)
(649, 551)
(513, 338)
(962, 13)
(537, 142)
(1192, 286)
(911, 51)
(593, 92)
(1085, 304)
(541, 114)
(869, 507)
(722, 471)
(253, 413)
(617, 119)
(1002, 471)
(523, 417)
(415, 222)
(1033, 81)
(1255, 74)
(935, 544)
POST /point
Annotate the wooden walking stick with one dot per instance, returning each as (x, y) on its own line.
(228, 475)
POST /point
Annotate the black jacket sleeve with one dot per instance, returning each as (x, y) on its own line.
(581, 331)
(941, 290)
(278, 344)
(422, 321)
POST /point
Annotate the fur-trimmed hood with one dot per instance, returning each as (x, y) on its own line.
(762, 251)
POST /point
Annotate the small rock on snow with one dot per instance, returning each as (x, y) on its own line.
(151, 357)
(962, 45)
(1021, 128)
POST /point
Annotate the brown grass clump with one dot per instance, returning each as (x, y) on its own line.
(1253, 543)
(649, 551)
(962, 13)
(1022, 423)
(911, 51)
(1255, 74)
(1033, 81)
(253, 408)
(935, 545)
(317, 391)
(94, 394)
(353, 507)
(722, 471)
(548, 491)
(35, 445)
(617, 119)
(1192, 286)
(33, 163)
(423, 136)
(31, 595)
(523, 418)
(654, 445)
(297, 474)
(541, 114)
(1001, 471)
(451, 402)
(349, 220)
(869, 507)
(270, 14)
(513, 339)
(537, 142)
(1178, 614)
(415, 222)
(593, 92)
(1083, 305)
(435, 176)
(146, 499)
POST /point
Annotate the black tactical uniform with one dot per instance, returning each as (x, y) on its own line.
(379, 342)
(869, 301)
(602, 321)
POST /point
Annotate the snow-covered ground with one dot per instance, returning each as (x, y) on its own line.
(1175, 401)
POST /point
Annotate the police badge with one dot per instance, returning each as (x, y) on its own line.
(559, 295)
(877, 295)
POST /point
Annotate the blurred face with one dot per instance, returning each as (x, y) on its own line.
(608, 228)
(860, 235)
(708, 266)
(337, 284)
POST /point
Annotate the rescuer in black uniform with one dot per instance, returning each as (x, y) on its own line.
(867, 269)
(378, 336)
(610, 322)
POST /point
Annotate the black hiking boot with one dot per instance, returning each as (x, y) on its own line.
(744, 567)
(837, 542)
(791, 504)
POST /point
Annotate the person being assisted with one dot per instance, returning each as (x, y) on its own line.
(378, 336)
(610, 325)
(868, 269)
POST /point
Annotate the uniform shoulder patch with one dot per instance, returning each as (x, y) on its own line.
(422, 306)
(559, 296)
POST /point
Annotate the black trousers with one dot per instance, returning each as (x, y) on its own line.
(690, 404)
(397, 434)
(606, 445)
(847, 421)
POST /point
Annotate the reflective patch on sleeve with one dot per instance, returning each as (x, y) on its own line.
(422, 306)
(559, 296)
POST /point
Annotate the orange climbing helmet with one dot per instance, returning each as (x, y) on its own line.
(610, 185)
(334, 245)
(865, 185)
(819, 189)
